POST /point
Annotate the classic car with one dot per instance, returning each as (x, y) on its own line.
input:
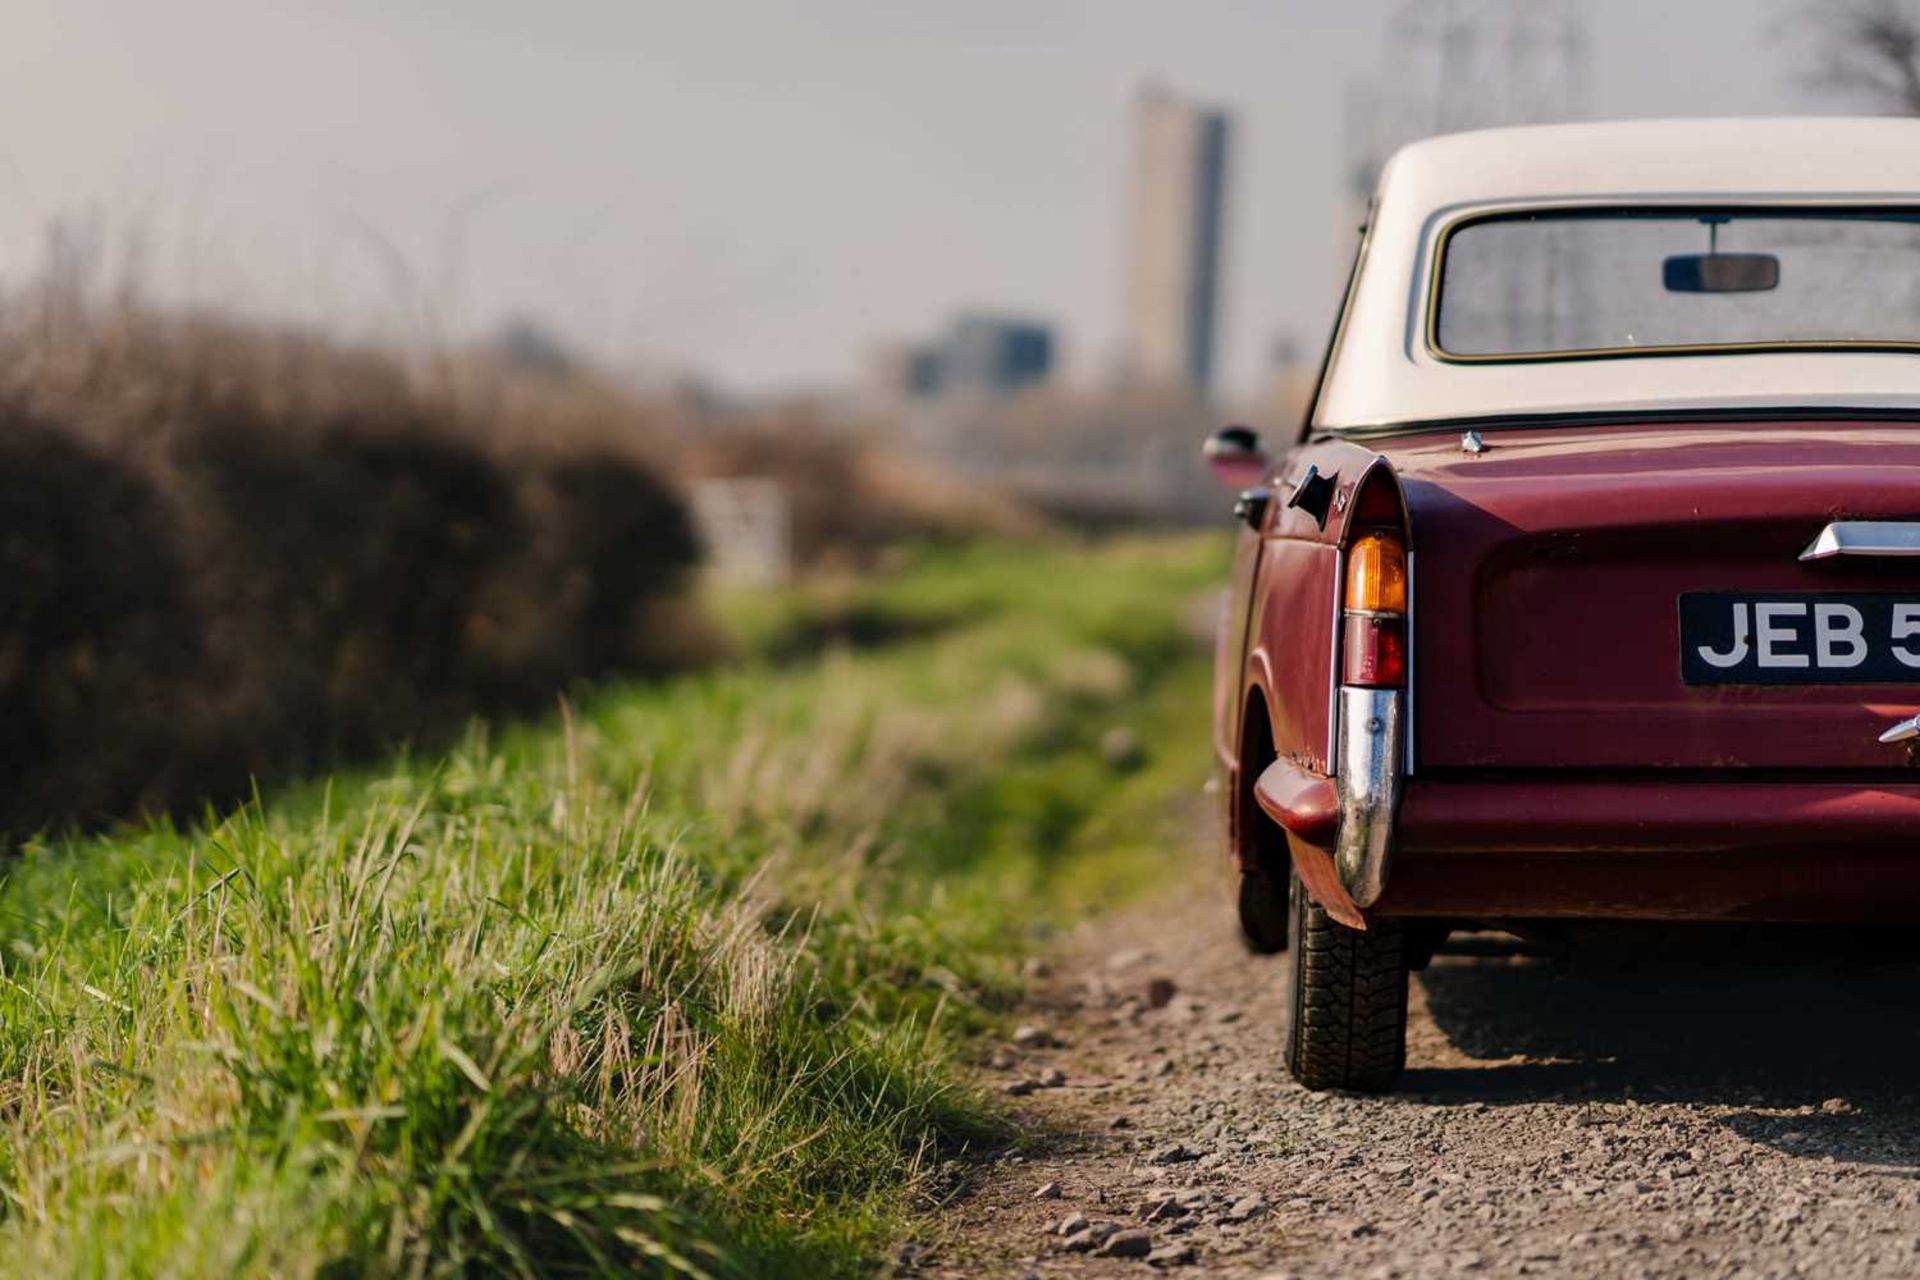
(1584, 594)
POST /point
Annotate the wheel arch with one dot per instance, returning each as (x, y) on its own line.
(1258, 842)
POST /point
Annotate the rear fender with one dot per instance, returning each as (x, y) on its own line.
(1293, 642)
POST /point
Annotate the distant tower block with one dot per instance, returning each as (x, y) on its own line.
(1180, 174)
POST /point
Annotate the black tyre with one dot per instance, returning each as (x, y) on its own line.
(1265, 911)
(1348, 1003)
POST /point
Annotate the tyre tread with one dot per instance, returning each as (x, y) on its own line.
(1348, 1028)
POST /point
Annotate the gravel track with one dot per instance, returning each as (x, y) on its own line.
(1551, 1122)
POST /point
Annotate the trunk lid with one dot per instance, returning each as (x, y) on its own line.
(1548, 573)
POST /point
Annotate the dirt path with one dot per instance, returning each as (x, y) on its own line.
(1549, 1123)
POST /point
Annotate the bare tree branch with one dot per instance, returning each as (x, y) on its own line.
(1865, 50)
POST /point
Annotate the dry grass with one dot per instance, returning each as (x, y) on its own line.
(669, 986)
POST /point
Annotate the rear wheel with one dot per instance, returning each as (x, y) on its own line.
(1348, 1002)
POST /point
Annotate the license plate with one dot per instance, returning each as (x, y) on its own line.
(1800, 637)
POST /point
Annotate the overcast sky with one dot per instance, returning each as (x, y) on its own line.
(755, 189)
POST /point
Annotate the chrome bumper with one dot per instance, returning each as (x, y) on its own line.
(1368, 782)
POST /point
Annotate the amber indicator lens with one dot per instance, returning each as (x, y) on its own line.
(1377, 574)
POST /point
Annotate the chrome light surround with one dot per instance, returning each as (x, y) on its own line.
(1369, 784)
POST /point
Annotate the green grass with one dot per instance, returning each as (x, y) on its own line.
(675, 983)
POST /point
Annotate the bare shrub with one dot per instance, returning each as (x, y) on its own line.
(239, 551)
(233, 553)
(97, 634)
(594, 585)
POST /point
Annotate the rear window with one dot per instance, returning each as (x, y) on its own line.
(1644, 281)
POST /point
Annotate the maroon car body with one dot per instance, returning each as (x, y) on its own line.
(1655, 656)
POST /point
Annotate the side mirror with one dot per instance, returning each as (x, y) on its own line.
(1236, 458)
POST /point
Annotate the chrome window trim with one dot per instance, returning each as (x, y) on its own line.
(1434, 277)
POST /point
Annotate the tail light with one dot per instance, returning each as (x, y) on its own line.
(1375, 646)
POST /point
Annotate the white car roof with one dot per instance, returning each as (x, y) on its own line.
(1382, 373)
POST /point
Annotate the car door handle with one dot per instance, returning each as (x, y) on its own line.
(1865, 538)
(1250, 508)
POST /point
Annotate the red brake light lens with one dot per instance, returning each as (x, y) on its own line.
(1375, 651)
(1378, 503)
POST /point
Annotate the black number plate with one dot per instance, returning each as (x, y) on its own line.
(1799, 637)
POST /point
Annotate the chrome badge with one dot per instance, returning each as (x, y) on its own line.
(1904, 731)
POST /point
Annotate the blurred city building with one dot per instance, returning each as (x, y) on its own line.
(1179, 193)
(980, 399)
(899, 371)
(992, 355)
(978, 354)
(1093, 456)
(527, 345)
